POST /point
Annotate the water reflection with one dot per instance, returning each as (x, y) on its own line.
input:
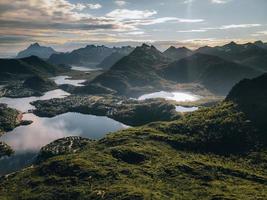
(60, 80)
(45, 130)
(84, 69)
(185, 109)
(27, 140)
(175, 96)
(23, 104)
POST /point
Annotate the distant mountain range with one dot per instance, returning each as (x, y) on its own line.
(216, 68)
(90, 56)
(37, 50)
(251, 54)
(128, 69)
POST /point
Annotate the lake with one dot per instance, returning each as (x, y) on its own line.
(174, 96)
(60, 80)
(84, 69)
(27, 140)
(185, 109)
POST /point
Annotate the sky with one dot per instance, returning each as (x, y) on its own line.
(69, 24)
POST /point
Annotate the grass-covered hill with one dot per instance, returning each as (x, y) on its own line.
(15, 69)
(214, 153)
(9, 119)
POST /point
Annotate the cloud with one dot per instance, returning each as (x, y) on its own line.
(259, 33)
(219, 1)
(120, 3)
(193, 31)
(94, 6)
(125, 14)
(223, 27)
(233, 26)
(212, 1)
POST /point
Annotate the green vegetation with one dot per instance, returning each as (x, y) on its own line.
(9, 119)
(209, 154)
(5, 150)
(127, 111)
(32, 86)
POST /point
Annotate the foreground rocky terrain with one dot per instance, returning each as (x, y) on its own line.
(214, 153)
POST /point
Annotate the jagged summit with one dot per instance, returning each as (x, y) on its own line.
(34, 45)
(177, 53)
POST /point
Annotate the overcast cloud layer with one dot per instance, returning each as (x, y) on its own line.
(69, 24)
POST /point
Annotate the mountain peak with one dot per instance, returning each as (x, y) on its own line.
(231, 44)
(36, 44)
(90, 46)
(36, 49)
(259, 42)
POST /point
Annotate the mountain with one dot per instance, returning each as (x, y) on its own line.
(177, 53)
(111, 60)
(37, 50)
(90, 56)
(213, 153)
(250, 54)
(216, 74)
(15, 69)
(261, 44)
(136, 70)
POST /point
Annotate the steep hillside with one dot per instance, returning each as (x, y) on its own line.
(214, 73)
(37, 50)
(177, 53)
(111, 60)
(138, 69)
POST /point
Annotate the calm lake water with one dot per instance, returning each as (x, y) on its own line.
(27, 140)
(175, 96)
(60, 80)
(185, 109)
(84, 69)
